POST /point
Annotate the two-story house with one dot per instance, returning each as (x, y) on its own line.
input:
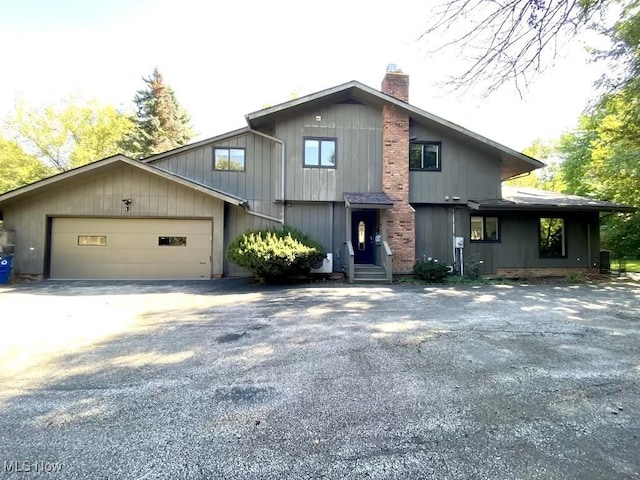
(378, 181)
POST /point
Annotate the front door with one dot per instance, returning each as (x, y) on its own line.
(363, 233)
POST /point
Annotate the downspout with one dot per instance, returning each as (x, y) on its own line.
(262, 215)
(453, 239)
(522, 175)
(282, 193)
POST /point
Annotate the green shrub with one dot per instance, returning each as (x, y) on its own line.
(273, 254)
(577, 277)
(430, 270)
(473, 267)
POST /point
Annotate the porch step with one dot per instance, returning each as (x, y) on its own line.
(369, 274)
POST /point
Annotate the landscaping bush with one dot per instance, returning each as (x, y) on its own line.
(473, 267)
(275, 254)
(430, 270)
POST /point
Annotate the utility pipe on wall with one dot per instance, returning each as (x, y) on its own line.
(453, 239)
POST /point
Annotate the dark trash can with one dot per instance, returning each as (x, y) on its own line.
(605, 261)
(5, 268)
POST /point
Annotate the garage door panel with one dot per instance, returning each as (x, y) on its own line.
(133, 225)
(139, 256)
(122, 271)
(132, 249)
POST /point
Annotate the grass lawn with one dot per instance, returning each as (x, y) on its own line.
(632, 265)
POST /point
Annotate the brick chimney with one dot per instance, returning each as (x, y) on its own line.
(396, 83)
(401, 229)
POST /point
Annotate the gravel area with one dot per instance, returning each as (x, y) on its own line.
(221, 379)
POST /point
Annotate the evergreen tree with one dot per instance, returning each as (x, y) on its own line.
(161, 123)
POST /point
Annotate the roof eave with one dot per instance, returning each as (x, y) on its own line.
(85, 169)
(363, 92)
(370, 206)
(252, 117)
(552, 208)
(63, 176)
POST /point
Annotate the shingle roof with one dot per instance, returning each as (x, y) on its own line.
(373, 199)
(519, 198)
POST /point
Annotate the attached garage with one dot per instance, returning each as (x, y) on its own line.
(129, 248)
(118, 218)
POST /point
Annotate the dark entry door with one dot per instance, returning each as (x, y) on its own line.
(363, 233)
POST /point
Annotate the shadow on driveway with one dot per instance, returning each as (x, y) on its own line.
(223, 379)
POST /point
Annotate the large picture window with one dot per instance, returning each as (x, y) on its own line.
(484, 229)
(425, 156)
(552, 238)
(228, 159)
(319, 152)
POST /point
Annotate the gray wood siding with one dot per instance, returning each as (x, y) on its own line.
(101, 195)
(339, 236)
(434, 237)
(520, 245)
(358, 130)
(466, 171)
(314, 219)
(325, 222)
(260, 183)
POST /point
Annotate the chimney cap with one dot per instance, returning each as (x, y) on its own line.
(392, 67)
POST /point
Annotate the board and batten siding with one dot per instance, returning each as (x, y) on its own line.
(520, 241)
(260, 182)
(358, 130)
(467, 172)
(324, 222)
(313, 219)
(518, 246)
(101, 195)
(434, 234)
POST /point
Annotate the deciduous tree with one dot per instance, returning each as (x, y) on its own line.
(508, 42)
(69, 134)
(602, 159)
(17, 168)
(549, 177)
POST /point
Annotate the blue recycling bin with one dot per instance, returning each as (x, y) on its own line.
(5, 268)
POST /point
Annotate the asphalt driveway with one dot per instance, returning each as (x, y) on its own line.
(224, 380)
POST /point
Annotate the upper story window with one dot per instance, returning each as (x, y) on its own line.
(319, 152)
(552, 238)
(425, 156)
(228, 159)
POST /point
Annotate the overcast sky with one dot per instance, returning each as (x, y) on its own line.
(226, 59)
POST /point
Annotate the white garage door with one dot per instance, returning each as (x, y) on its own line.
(109, 248)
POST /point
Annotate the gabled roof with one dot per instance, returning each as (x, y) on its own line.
(190, 146)
(512, 162)
(519, 198)
(104, 164)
